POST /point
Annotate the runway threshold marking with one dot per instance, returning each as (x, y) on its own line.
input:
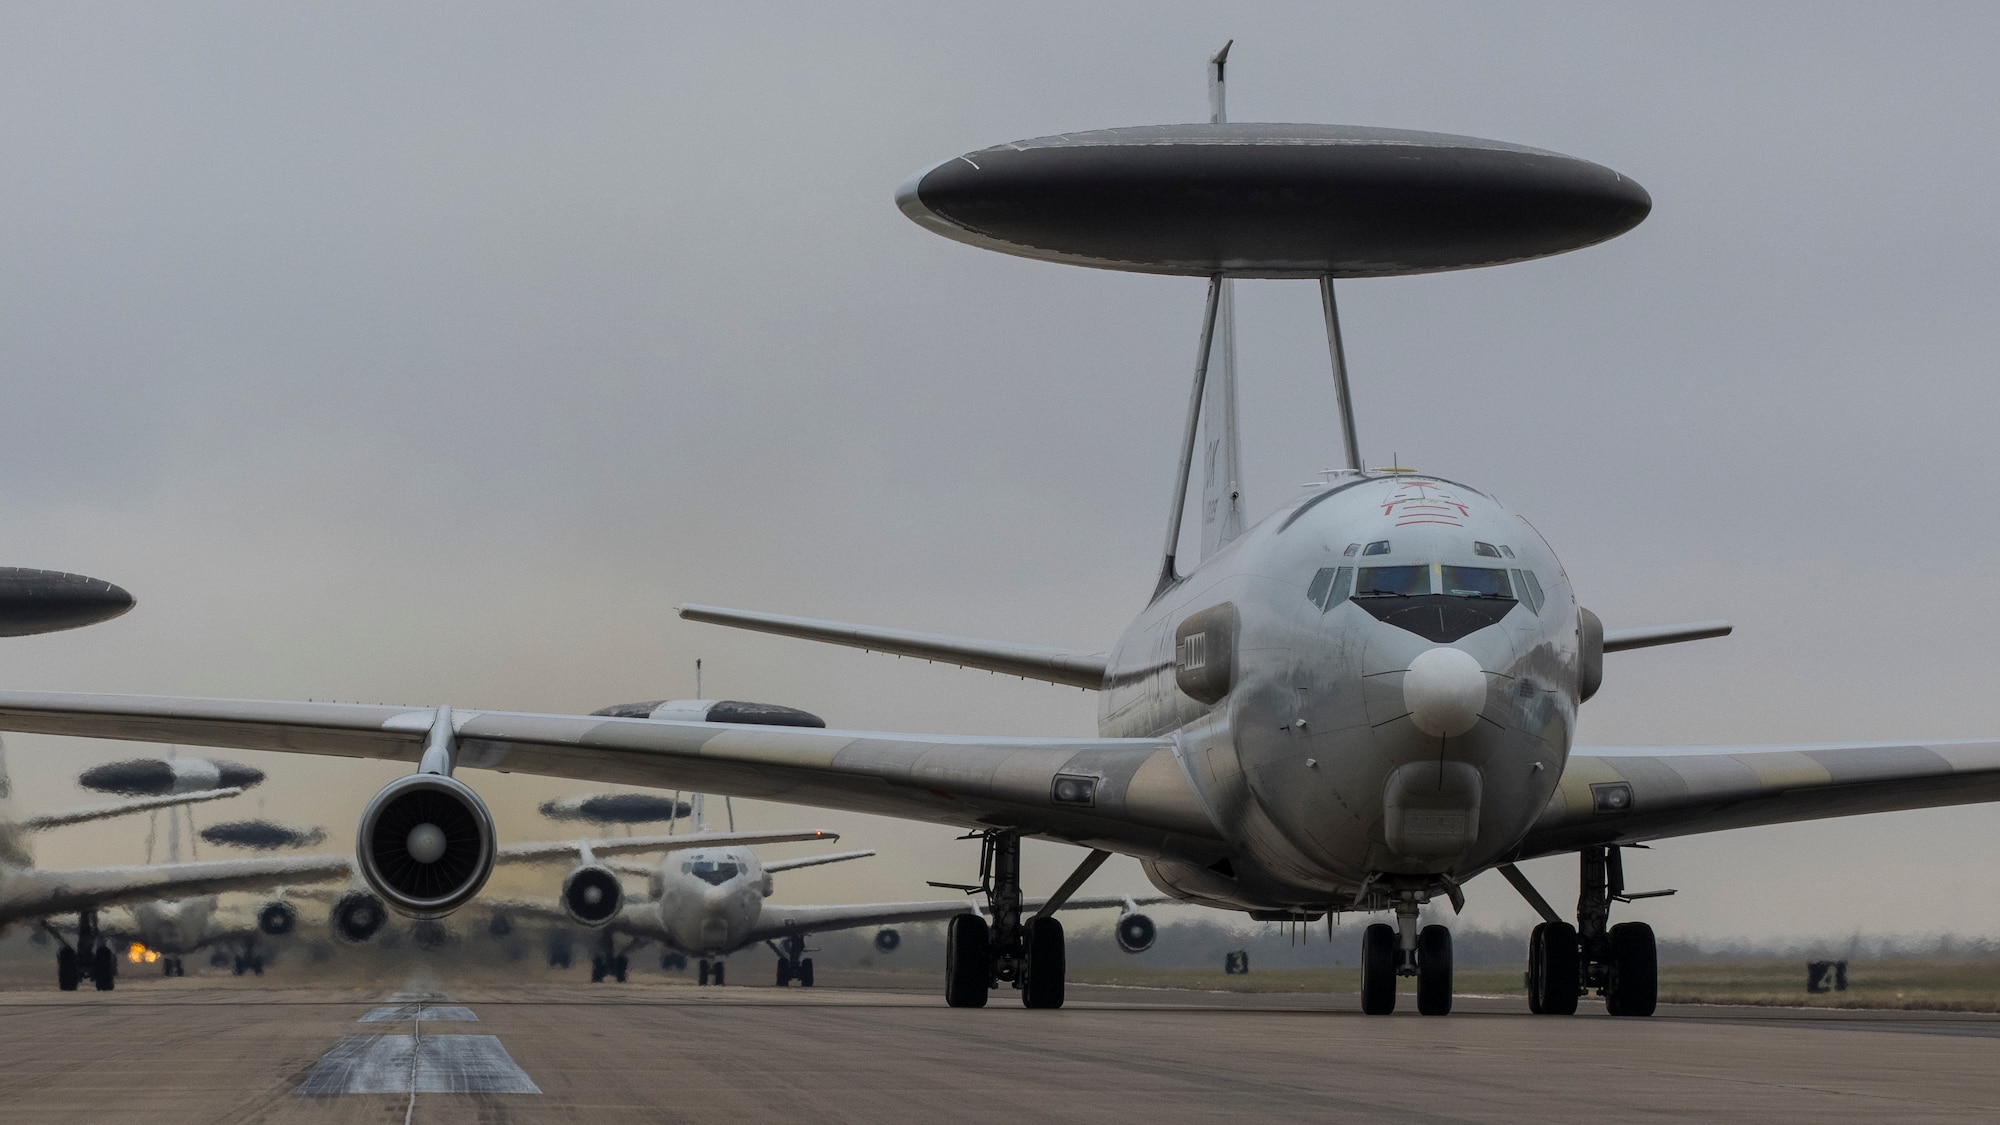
(417, 1063)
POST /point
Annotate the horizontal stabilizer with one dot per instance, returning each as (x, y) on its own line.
(1030, 662)
(1618, 640)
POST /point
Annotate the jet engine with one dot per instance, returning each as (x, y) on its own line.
(886, 941)
(357, 917)
(278, 918)
(592, 895)
(1136, 932)
(426, 844)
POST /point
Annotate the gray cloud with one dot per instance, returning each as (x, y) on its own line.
(433, 355)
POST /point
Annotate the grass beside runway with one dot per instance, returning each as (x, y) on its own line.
(1912, 983)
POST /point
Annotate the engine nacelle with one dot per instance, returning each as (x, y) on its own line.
(592, 895)
(278, 918)
(887, 941)
(357, 917)
(426, 844)
(1136, 932)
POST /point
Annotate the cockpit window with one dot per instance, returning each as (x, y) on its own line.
(1506, 550)
(1392, 581)
(1534, 589)
(1316, 592)
(1351, 548)
(710, 871)
(1475, 581)
(1379, 547)
(1330, 586)
(1487, 549)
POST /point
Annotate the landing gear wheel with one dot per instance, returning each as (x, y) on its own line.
(968, 962)
(704, 972)
(1634, 989)
(1553, 972)
(1378, 969)
(257, 966)
(1042, 983)
(784, 971)
(597, 970)
(1434, 971)
(619, 965)
(104, 969)
(718, 974)
(68, 976)
(806, 973)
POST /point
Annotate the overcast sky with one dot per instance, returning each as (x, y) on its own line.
(432, 354)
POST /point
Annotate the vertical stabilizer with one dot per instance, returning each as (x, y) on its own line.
(1222, 462)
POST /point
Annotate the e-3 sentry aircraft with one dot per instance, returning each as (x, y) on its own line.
(707, 902)
(31, 894)
(1355, 703)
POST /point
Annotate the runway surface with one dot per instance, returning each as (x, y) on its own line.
(207, 1050)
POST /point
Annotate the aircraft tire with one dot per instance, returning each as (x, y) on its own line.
(704, 972)
(1554, 975)
(1045, 967)
(968, 961)
(104, 969)
(784, 971)
(257, 966)
(718, 974)
(1434, 971)
(619, 967)
(806, 973)
(597, 970)
(1635, 971)
(1378, 969)
(68, 976)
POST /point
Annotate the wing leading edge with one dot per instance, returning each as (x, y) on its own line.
(1631, 796)
(1141, 802)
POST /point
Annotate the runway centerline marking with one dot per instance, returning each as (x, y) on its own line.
(436, 1013)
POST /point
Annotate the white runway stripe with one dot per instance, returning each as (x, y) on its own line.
(443, 1013)
(443, 1064)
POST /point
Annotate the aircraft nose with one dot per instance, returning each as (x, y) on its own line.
(1445, 689)
(44, 601)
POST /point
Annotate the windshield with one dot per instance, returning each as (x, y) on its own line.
(711, 871)
(1392, 581)
(1475, 582)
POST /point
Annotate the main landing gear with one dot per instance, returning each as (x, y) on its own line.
(1028, 953)
(710, 972)
(608, 961)
(1403, 950)
(793, 964)
(88, 957)
(1620, 962)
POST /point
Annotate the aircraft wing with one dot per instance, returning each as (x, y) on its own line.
(545, 850)
(1137, 799)
(32, 892)
(776, 865)
(124, 808)
(787, 921)
(1629, 796)
(1098, 902)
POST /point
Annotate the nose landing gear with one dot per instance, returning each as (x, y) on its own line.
(1402, 950)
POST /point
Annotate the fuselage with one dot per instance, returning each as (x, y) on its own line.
(1279, 665)
(709, 900)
